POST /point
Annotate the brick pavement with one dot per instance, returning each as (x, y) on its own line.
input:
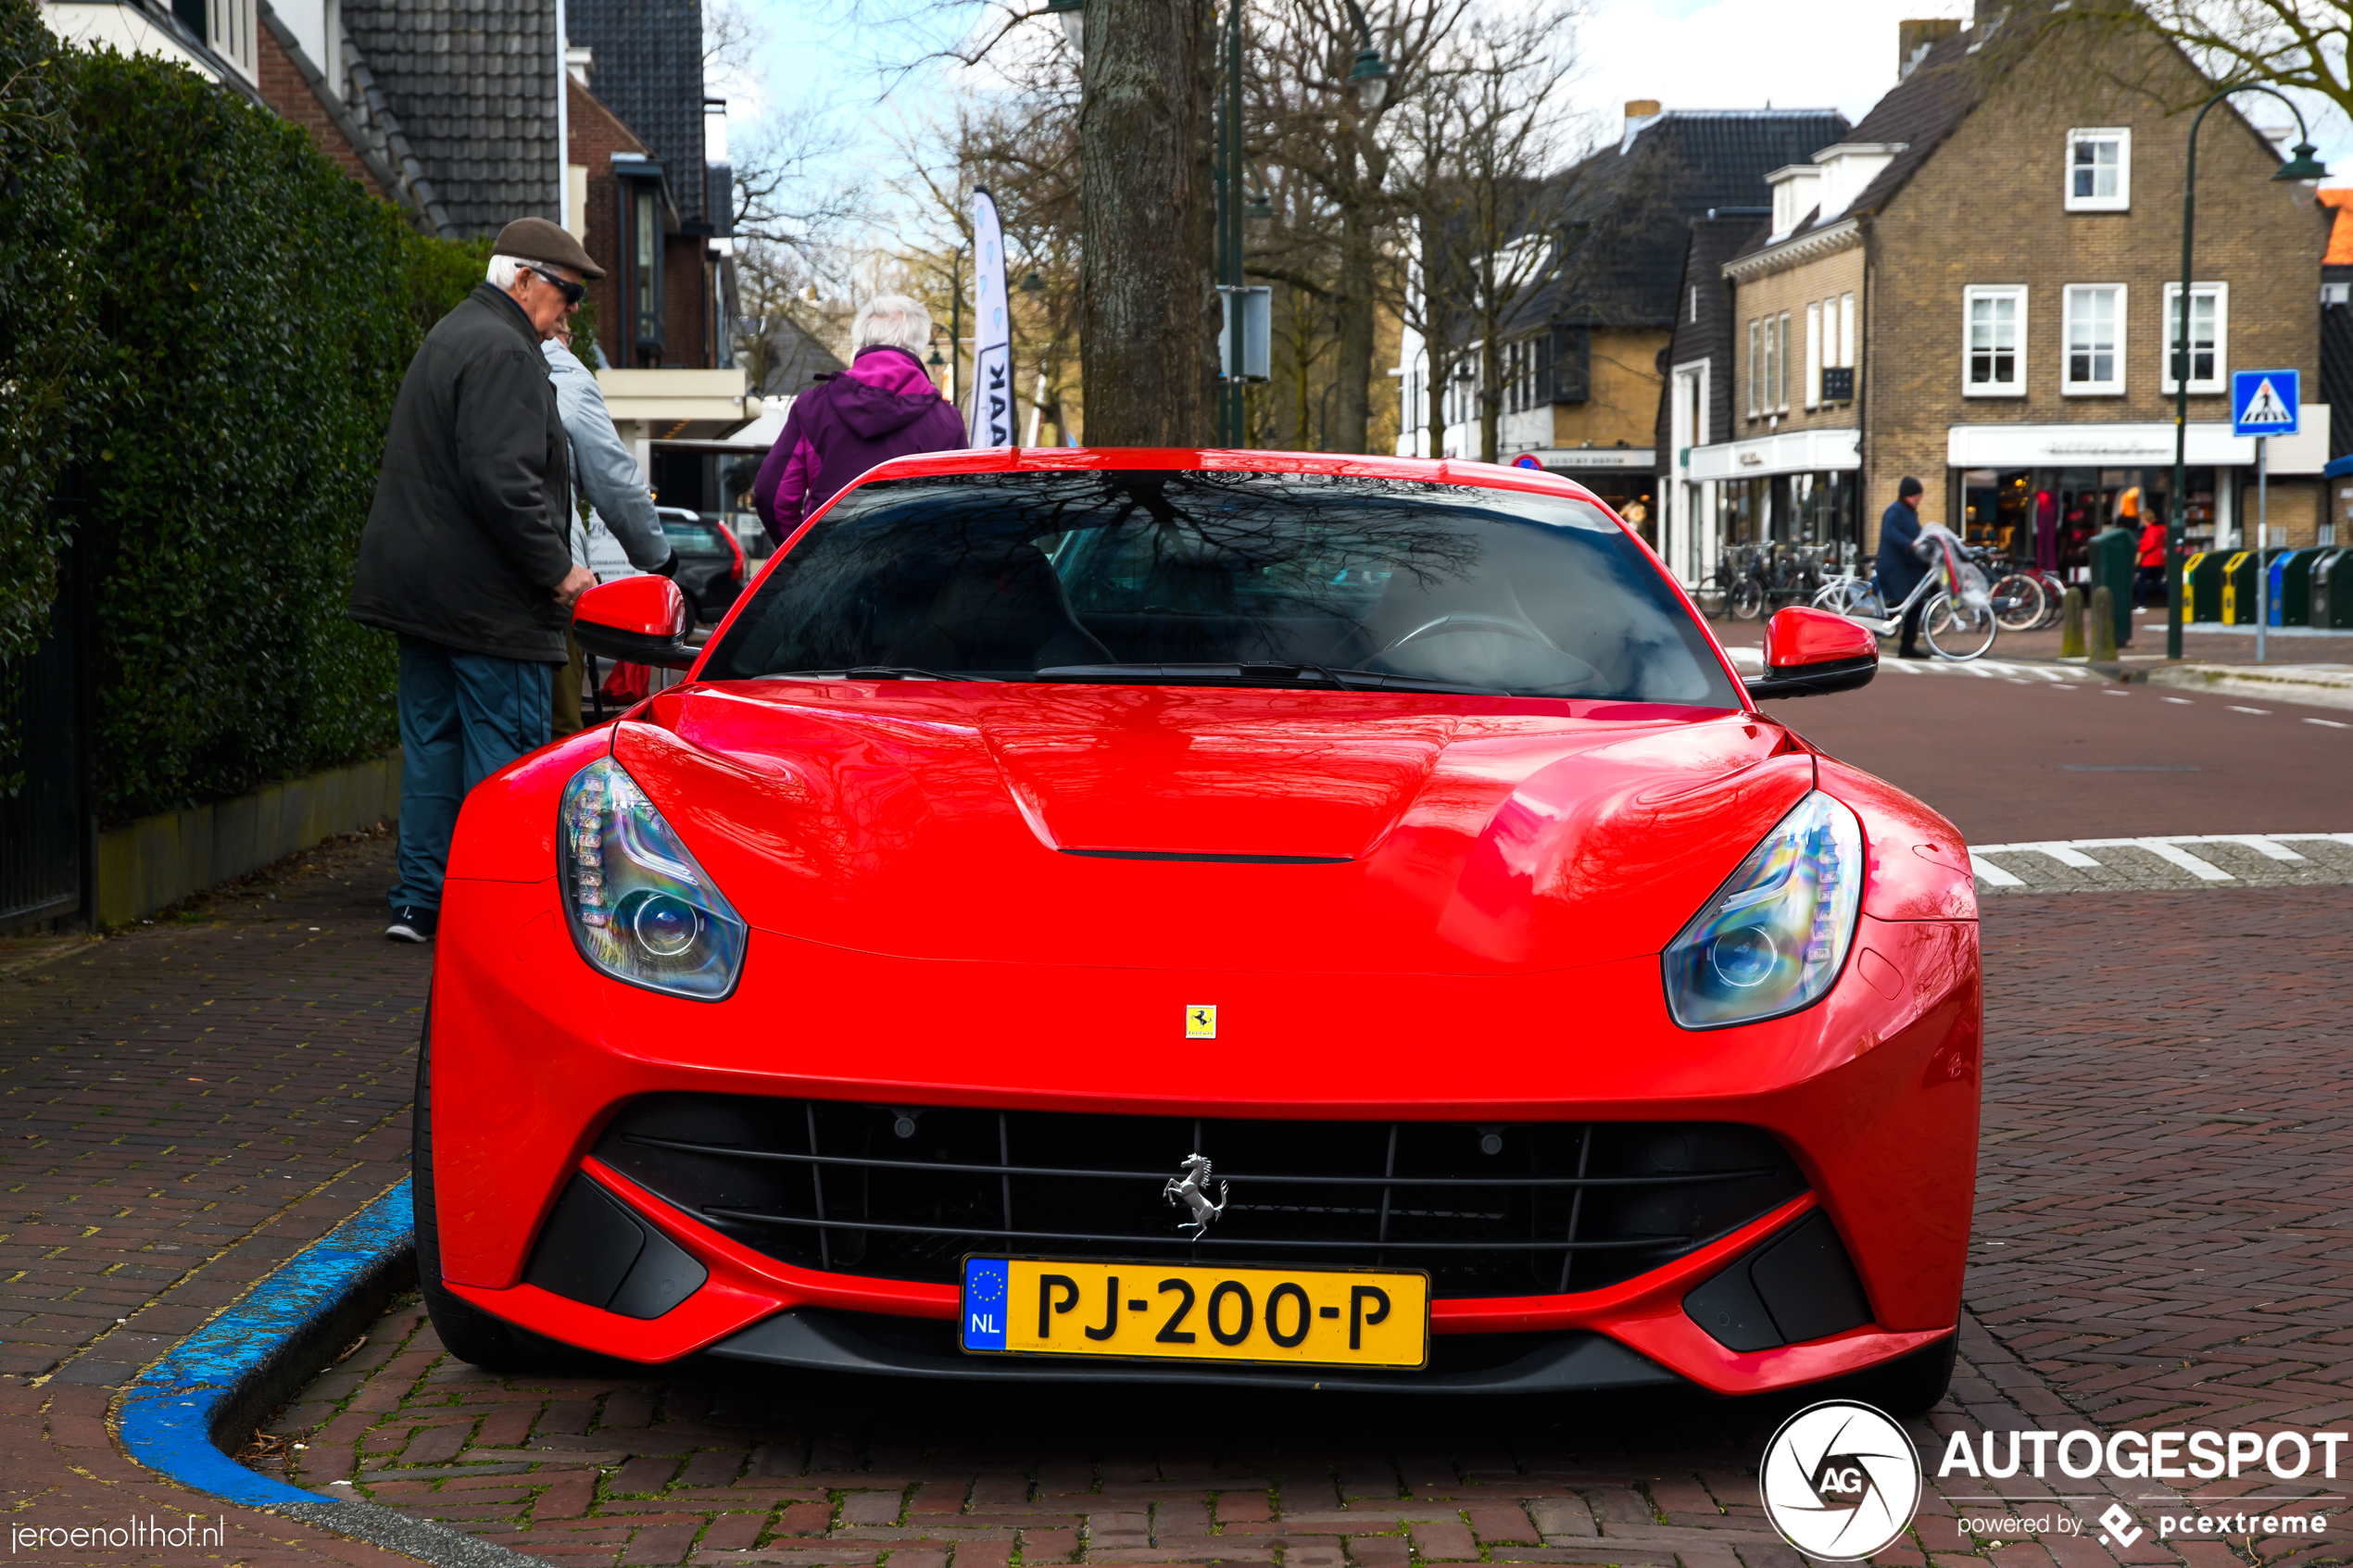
(2162, 1237)
(182, 1108)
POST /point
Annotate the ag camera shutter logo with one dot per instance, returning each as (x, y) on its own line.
(1840, 1481)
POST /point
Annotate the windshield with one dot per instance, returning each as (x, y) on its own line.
(1156, 575)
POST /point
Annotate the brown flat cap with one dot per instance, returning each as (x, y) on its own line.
(535, 239)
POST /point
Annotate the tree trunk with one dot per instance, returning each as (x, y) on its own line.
(1147, 309)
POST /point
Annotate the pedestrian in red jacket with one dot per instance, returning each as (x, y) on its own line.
(2149, 581)
(883, 407)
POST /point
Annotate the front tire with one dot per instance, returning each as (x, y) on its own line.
(1746, 600)
(1957, 630)
(469, 1333)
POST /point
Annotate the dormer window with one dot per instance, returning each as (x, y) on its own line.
(1796, 191)
(2100, 171)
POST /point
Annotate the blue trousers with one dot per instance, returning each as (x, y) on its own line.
(463, 716)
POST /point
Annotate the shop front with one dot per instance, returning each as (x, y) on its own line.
(2037, 494)
(1795, 488)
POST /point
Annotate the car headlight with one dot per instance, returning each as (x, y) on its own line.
(639, 907)
(1775, 935)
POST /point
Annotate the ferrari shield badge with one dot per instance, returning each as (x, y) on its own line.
(1201, 1023)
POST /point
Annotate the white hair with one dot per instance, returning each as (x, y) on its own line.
(894, 321)
(505, 269)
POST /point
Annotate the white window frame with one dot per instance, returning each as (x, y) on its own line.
(1814, 352)
(1781, 365)
(2123, 200)
(2221, 379)
(1755, 367)
(2070, 387)
(1846, 331)
(1970, 294)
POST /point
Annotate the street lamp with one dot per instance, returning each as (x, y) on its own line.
(1032, 284)
(2303, 165)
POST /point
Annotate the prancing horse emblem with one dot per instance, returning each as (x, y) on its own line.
(1192, 1190)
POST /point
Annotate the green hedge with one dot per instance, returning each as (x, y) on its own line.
(248, 311)
(46, 386)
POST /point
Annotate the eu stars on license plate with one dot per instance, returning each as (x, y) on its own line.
(1190, 1312)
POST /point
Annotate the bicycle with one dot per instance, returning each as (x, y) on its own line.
(1968, 628)
(2025, 598)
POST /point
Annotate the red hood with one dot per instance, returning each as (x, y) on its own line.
(1073, 825)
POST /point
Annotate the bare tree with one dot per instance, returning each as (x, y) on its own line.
(1309, 119)
(2300, 45)
(1492, 219)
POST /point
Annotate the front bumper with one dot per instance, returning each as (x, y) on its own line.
(1873, 1092)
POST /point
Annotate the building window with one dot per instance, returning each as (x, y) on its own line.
(2100, 171)
(1756, 367)
(1846, 330)
(1814, 351)
(2095, 335)
(2209, 334)
(1993, 341)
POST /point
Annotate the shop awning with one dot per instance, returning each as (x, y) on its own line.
(2133, 446)
(1788, 451)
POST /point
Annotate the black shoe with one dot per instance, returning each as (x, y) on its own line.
(413, 925)
(1909, 653)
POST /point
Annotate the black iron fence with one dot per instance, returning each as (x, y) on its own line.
(47, 845)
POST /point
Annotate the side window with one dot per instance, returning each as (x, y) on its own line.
(2099, 169)
(2094, 360)
(1993, 341)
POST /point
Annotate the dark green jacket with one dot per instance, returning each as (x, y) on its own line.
(468, 535)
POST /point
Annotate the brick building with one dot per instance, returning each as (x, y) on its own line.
(1977, 286)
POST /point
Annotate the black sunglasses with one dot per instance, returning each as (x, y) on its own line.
(574, 292)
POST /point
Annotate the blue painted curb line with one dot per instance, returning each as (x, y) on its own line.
(263, 1345)
(168, 1414)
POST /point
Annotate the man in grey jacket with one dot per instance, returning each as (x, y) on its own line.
(606, 472)
(465, 555)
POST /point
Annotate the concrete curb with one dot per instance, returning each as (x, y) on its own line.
(2316, 687)
(222, 1380)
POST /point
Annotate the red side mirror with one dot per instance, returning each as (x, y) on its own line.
(1810, 652)
(637, 621)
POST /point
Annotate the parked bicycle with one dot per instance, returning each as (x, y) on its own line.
(1959, 618)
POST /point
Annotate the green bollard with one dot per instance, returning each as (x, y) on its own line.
(2103, 625)
(2072, 623)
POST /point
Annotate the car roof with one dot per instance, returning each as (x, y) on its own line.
(1048, 460)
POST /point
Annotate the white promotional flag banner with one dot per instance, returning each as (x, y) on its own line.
(990, 418)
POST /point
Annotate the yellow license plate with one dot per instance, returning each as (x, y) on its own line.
(1190, 1312)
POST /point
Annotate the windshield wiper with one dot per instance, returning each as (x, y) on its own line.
(1257, 673)
(874, 671)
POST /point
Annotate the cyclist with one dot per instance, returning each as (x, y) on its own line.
(1900, 569)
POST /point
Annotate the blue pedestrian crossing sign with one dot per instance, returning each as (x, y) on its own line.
(2264, 402)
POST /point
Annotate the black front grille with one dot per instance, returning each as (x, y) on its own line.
(1490, 1208)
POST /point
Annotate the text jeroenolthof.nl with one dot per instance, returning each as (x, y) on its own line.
(147, 1535)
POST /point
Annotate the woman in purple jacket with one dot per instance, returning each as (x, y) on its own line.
(883, 407)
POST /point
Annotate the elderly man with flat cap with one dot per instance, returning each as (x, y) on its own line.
(467, 554)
